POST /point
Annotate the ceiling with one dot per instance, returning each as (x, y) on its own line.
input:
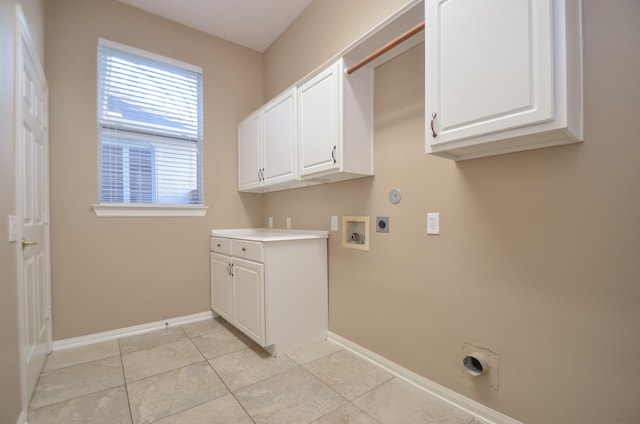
(251, 23)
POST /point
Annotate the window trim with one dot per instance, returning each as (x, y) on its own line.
(133, 210)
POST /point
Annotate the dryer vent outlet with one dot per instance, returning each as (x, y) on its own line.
(480, 364)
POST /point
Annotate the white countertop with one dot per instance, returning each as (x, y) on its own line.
(269, 234)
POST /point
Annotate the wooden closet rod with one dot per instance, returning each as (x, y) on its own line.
(382, 50)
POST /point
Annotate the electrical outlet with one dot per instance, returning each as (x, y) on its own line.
(433, 223)
(382, 224)
(334, 223)
(288, 222)
(270, 222)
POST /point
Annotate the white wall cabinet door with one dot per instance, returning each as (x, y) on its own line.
(250, 153)
(319, 114)
(248, 298)
(280, 141)
(498, 70)
(221, 281)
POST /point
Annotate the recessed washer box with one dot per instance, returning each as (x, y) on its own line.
(355, 232)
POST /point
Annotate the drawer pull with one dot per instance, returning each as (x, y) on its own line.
(244, 249)
(218, 245)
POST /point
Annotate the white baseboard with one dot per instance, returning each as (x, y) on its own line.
(22, 419)
(483, 413)
(129, 331)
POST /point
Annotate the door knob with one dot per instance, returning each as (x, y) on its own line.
(26, 243)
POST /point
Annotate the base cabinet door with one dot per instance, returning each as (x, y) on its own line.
(221, 281)
(248, 299)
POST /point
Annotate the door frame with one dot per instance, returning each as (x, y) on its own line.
(24, 48)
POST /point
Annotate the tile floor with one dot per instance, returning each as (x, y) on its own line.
(207, 372)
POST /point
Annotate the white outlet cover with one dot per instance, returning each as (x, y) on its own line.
(13, 228)
(433, 223)
(334, 223)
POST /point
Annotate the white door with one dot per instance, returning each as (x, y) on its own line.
(319, 129)
(32, 203)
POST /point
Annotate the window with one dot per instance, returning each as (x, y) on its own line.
(149, 130)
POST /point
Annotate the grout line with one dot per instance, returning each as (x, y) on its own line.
(226, 385)
(126, 385)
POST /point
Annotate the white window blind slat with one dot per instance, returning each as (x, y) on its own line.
(149, 128)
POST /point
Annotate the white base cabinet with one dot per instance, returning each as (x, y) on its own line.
(502, 76)
(273, 289)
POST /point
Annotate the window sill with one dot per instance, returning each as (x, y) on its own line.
(145, 210)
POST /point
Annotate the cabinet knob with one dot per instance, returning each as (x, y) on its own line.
(244, 249)
(433, 121)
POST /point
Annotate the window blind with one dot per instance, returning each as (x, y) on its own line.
(149, 128)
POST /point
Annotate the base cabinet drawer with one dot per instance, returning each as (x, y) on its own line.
(250, 250)
(221, 245)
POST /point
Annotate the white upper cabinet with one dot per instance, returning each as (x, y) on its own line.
(321, 130)
(502, 76)
(267, 146)
(319, 122)
(335, 124)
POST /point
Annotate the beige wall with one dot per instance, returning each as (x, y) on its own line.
(328, 26)
(33, 10)
(539, 253)
(110, 273)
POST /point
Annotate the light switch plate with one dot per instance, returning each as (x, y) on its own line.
(433, 223)
(13, 228)
(334, 223)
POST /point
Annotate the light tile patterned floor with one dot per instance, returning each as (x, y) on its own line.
(207, 372)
